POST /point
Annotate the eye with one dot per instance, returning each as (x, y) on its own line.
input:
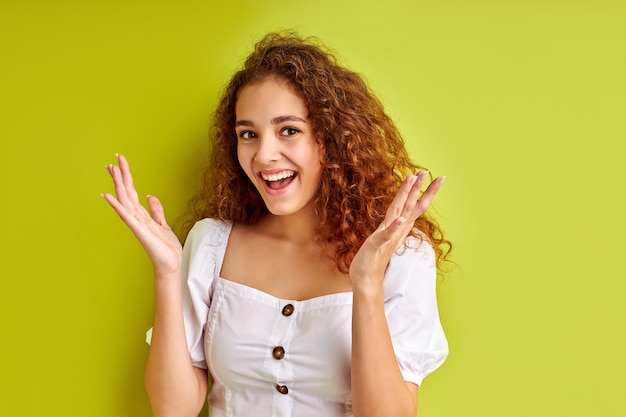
(247, 135)
(289, 131)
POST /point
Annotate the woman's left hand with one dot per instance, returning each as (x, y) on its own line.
(368, 266)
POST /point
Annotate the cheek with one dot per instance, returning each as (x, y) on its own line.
(244, 162)
(239, 156)
(314, 169)
(316, 159)
(309, 154)
(243, 157)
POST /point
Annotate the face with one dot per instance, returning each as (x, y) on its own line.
(276, 147)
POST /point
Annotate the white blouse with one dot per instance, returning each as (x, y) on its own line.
(273, 357)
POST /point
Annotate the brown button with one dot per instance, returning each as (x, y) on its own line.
(282, 389)
(288, 310)
(278, 352)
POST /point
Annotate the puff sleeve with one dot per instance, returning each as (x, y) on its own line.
(204, 244)
(411, 309)
(202, 259)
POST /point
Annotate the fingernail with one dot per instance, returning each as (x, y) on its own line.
(443, 179)
(117, 156)
(401, 220)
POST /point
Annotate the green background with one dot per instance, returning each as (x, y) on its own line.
(522, 104)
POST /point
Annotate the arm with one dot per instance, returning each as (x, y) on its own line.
(174, 386)
(378, 388)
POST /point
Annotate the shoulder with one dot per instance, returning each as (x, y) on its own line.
(413, 264)
(205, 245)
(203, 252)
(416, 252)
(209, 231)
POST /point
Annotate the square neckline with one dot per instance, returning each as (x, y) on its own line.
(332, 299)
(219, 261)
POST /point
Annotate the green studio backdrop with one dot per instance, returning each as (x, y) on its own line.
(521, 104)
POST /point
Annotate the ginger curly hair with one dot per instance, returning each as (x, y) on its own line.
(364, 160)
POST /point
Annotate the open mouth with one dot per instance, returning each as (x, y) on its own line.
(279, 180)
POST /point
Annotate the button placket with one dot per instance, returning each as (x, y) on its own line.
(278, 352)
(288, 310)
(277, 366)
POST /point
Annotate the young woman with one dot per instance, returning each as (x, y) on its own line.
(308, 279)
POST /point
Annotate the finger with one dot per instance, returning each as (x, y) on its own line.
(394, 227)
(156, 211)
(414, 194)
(119, 185)
(397, 204)
(429, 194)
(138, 226)
(127, 177)
(119, 208)
(393, 235)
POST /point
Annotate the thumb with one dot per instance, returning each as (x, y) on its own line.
(388, 232)
(156, 211)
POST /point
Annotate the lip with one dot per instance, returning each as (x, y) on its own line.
(274, 171)
(277, 173)
(272, 191)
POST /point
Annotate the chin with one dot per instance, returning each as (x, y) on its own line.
(286, 209)
(281, 211)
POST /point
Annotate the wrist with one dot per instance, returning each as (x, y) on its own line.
(368, 289)
(167, 279)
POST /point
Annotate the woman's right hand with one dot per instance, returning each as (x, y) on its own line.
(150, 228)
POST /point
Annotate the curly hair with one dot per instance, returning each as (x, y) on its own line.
(364, 160)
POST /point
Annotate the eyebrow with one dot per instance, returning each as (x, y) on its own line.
(275, 121)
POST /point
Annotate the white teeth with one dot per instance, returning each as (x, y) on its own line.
(278, 176)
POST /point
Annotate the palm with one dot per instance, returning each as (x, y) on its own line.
(369, 263)
(149, 227)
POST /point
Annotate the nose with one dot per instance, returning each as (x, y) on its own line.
(268, 149)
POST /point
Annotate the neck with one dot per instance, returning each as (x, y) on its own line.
(297, 227)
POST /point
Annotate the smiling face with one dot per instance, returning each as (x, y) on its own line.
(276, 147)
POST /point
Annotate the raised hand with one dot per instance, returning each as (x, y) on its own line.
(369, 263)
(150, 228)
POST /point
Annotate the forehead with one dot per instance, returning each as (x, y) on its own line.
(268, 99)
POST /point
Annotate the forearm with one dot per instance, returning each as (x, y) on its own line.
(378, 388)
(174, 386)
